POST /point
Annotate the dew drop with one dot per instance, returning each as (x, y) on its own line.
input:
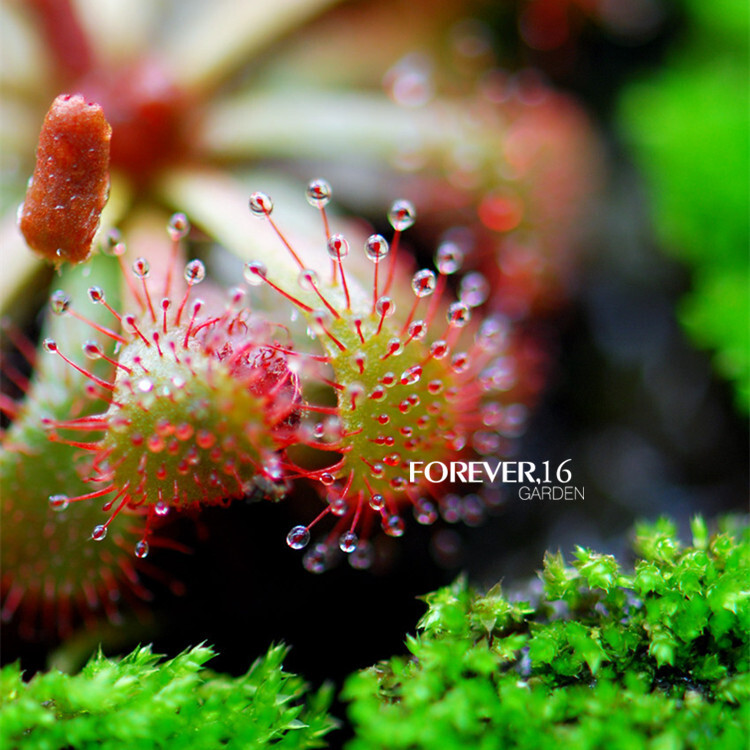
(402, 215)
(376, 247)
(450, 508)
(409, 82)
(472, 510)
(298, 537)
(59, 302)
(338, 505)
(460, 362)
(141, 549)
(195, 272)
(458, 314)
(485, 442)
(393, 525)
(326, 478)
(377, 502)
(59, 503)
(254, 272)
(161, 508)
(141, 268)
(360, 361)
(439, 349)
(315, 561)
(205, 439)
(318, 193)
(425, 511)
(144, 385)
(307, 280)
(49, 345)
(112, 239)
(155, 443)
(514, 422)
(261, 204)
(92, 350)
(96, 294)
(320, 320)
(338, 247)
(474, 289)
(423, 283)
(449, 258)
(395, 347)
(178, 227)
(417, 330)
(119, 250)
(411, 375)
(435, 387)
(362, 557)
(99, 533)
(348, 542)
(493, 333)
(385, 307)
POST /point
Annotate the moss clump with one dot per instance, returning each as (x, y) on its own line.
(657, 658)
(140, 702)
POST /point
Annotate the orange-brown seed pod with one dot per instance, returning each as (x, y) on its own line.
(69, 188)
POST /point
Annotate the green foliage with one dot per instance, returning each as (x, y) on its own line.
(138, 702)
(657, 658)
(689, 126)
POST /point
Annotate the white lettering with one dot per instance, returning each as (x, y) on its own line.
(458, 471)
(492, 474)
(428, 472)
(413, 471)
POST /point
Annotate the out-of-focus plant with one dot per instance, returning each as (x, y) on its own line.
(140, 700)
(689, 125)
(657, 657)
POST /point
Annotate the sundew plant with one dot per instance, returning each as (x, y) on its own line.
(262, 262)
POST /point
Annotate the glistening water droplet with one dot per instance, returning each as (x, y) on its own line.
(99, 533)
(59, 302)
(376, 247)
(254, 272)
(178, 227)
(261, 204)
(298, 537)
(348, 542)
(195, 272)
(402, 215)
(318, 193)
(423, 283)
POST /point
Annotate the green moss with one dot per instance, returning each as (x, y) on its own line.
(654, 658)
(140, 702)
